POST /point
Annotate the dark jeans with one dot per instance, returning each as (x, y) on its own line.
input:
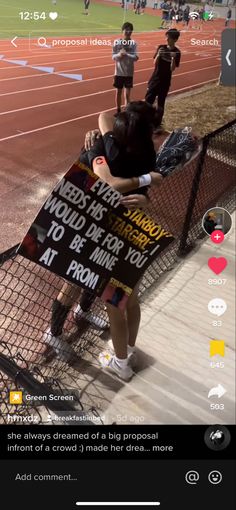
(160, 91)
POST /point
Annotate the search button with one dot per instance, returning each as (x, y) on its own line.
(42, 41)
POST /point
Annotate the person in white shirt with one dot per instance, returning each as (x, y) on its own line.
(124, 53)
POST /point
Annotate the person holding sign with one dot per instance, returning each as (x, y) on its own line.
(126, 145)
(107, 145)
(121, 162)
(124, 325)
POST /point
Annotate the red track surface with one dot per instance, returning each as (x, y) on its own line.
(43, 117)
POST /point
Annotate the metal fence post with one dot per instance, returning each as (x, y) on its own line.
(192, 198)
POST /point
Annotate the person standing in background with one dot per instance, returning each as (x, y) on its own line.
(228, 17)
(124, 53)
(165, 6)
(86, 7)
(207, 10)
(172, 17)
(180, 14)
(186, 17)
(137, 7)
(166, 59)
(143, 5)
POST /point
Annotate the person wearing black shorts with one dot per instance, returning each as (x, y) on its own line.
(124, 53)
(166, 59)
(86, 6)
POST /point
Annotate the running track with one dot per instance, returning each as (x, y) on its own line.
(43, 117)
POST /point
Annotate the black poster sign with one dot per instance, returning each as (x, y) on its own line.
(83, 234)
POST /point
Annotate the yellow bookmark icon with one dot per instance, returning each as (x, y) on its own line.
(217, 347)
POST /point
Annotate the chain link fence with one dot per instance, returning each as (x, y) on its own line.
(27, 290)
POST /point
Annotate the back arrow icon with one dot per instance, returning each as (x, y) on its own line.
(227, 57)
(12, 41)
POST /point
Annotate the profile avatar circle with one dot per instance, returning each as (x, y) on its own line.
(217, 219)
(217, 437)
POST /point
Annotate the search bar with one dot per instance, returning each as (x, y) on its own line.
(117, 503)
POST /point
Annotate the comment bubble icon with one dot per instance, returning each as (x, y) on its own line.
(217, 306)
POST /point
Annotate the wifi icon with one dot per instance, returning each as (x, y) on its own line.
(194, 15)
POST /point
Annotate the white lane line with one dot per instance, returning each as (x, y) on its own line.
(41, 105)
(111, 64)
(96, 58)
(209, 55)
(30, 76)
(190, 87)
(75, 98)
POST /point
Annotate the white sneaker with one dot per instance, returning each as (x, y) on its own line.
(62, 349)
(132, 356)
(95, 321)
(108, 362)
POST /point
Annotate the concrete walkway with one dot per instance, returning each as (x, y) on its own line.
(173, 375)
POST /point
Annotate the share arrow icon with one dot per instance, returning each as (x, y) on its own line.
(217, 391)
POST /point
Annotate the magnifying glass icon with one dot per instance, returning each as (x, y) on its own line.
(42, 41)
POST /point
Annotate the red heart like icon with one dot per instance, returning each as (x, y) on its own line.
(217, 264)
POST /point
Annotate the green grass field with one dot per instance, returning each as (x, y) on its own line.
(102, 19)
